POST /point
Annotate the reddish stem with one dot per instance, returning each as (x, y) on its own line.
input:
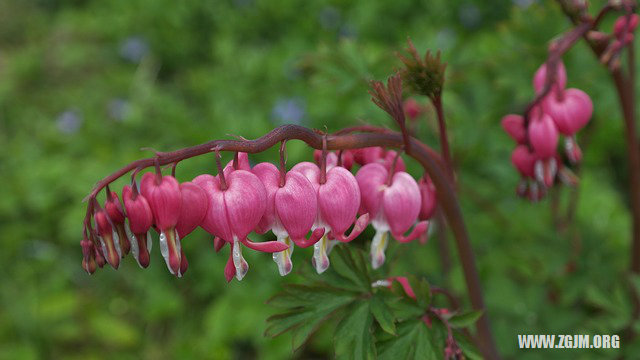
(223, 181)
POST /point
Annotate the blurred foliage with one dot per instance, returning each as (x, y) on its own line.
(84, 84)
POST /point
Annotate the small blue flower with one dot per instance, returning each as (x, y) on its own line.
(134, 49)
(289, 111)
(69, 122)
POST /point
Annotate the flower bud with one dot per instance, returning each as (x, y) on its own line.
(140, 221)
(108, 238)
(165, 201)
(116, 214)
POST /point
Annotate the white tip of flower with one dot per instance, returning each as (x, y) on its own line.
(164, 249)
(283, 258)
(378, 246)
(134, 243)
(116, 243)
(241, 265)
(320, 260)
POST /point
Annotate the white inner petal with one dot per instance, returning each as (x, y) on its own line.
(116, 243)
(320, 259)
(239, 262)
(283, 258)
(134, 243)
(378, 246)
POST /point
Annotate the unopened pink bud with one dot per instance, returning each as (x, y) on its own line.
(193, 209)
(628, 21)
(108, 237)
(541, 75)
(428, 198)
(163, 195)
(513, 125)
(543, 136)
(523, 160)
(412, 108)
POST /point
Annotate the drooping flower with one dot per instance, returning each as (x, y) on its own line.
(108, 238)
(192, 211)
(242, 164)
(116, 214)
(513, 125)
(140, 221)
(428, 198)
(524, 161)
(570, 111)
(338, 204)
(377, 154)
(235, 209)
(164, 198)
(88, 255)
(333, 159)
(393, 206)
(560, 80)
(291, 210)
(543, 136)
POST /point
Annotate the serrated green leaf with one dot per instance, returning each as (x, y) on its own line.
(350, 264)
(298, 295)
(468, 348)
(422, 289)
(465, 319)
(354, 338)
(383, 315)
(413, 342)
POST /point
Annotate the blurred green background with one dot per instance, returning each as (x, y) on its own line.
(84, 85)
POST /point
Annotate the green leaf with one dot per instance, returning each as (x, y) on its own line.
(354, 338)
(468, 348)
(414, 341)
(422, 289)
(465, 319)
(350, 264)
(308, 307)
(383, 315)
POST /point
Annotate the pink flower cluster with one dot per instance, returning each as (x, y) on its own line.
(305, 206)
(562, 112)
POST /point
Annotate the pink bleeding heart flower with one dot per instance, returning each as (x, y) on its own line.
(192, 211)
(338, 204)
(291, 211)
(116, 214)
(243, 163)
(543, 136)
(108, 238)
(628, 21)
(140, 221)
(195, 204)
(333, 159)
(428, 198)
(570, 110)
(368, 155)
(524, 161)
(541, 75)
(393, 206)
(97, 250)
(236, 206)
(513, 125)
(88, 254)
(412, 108)
(164, 198)
(390, 157)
